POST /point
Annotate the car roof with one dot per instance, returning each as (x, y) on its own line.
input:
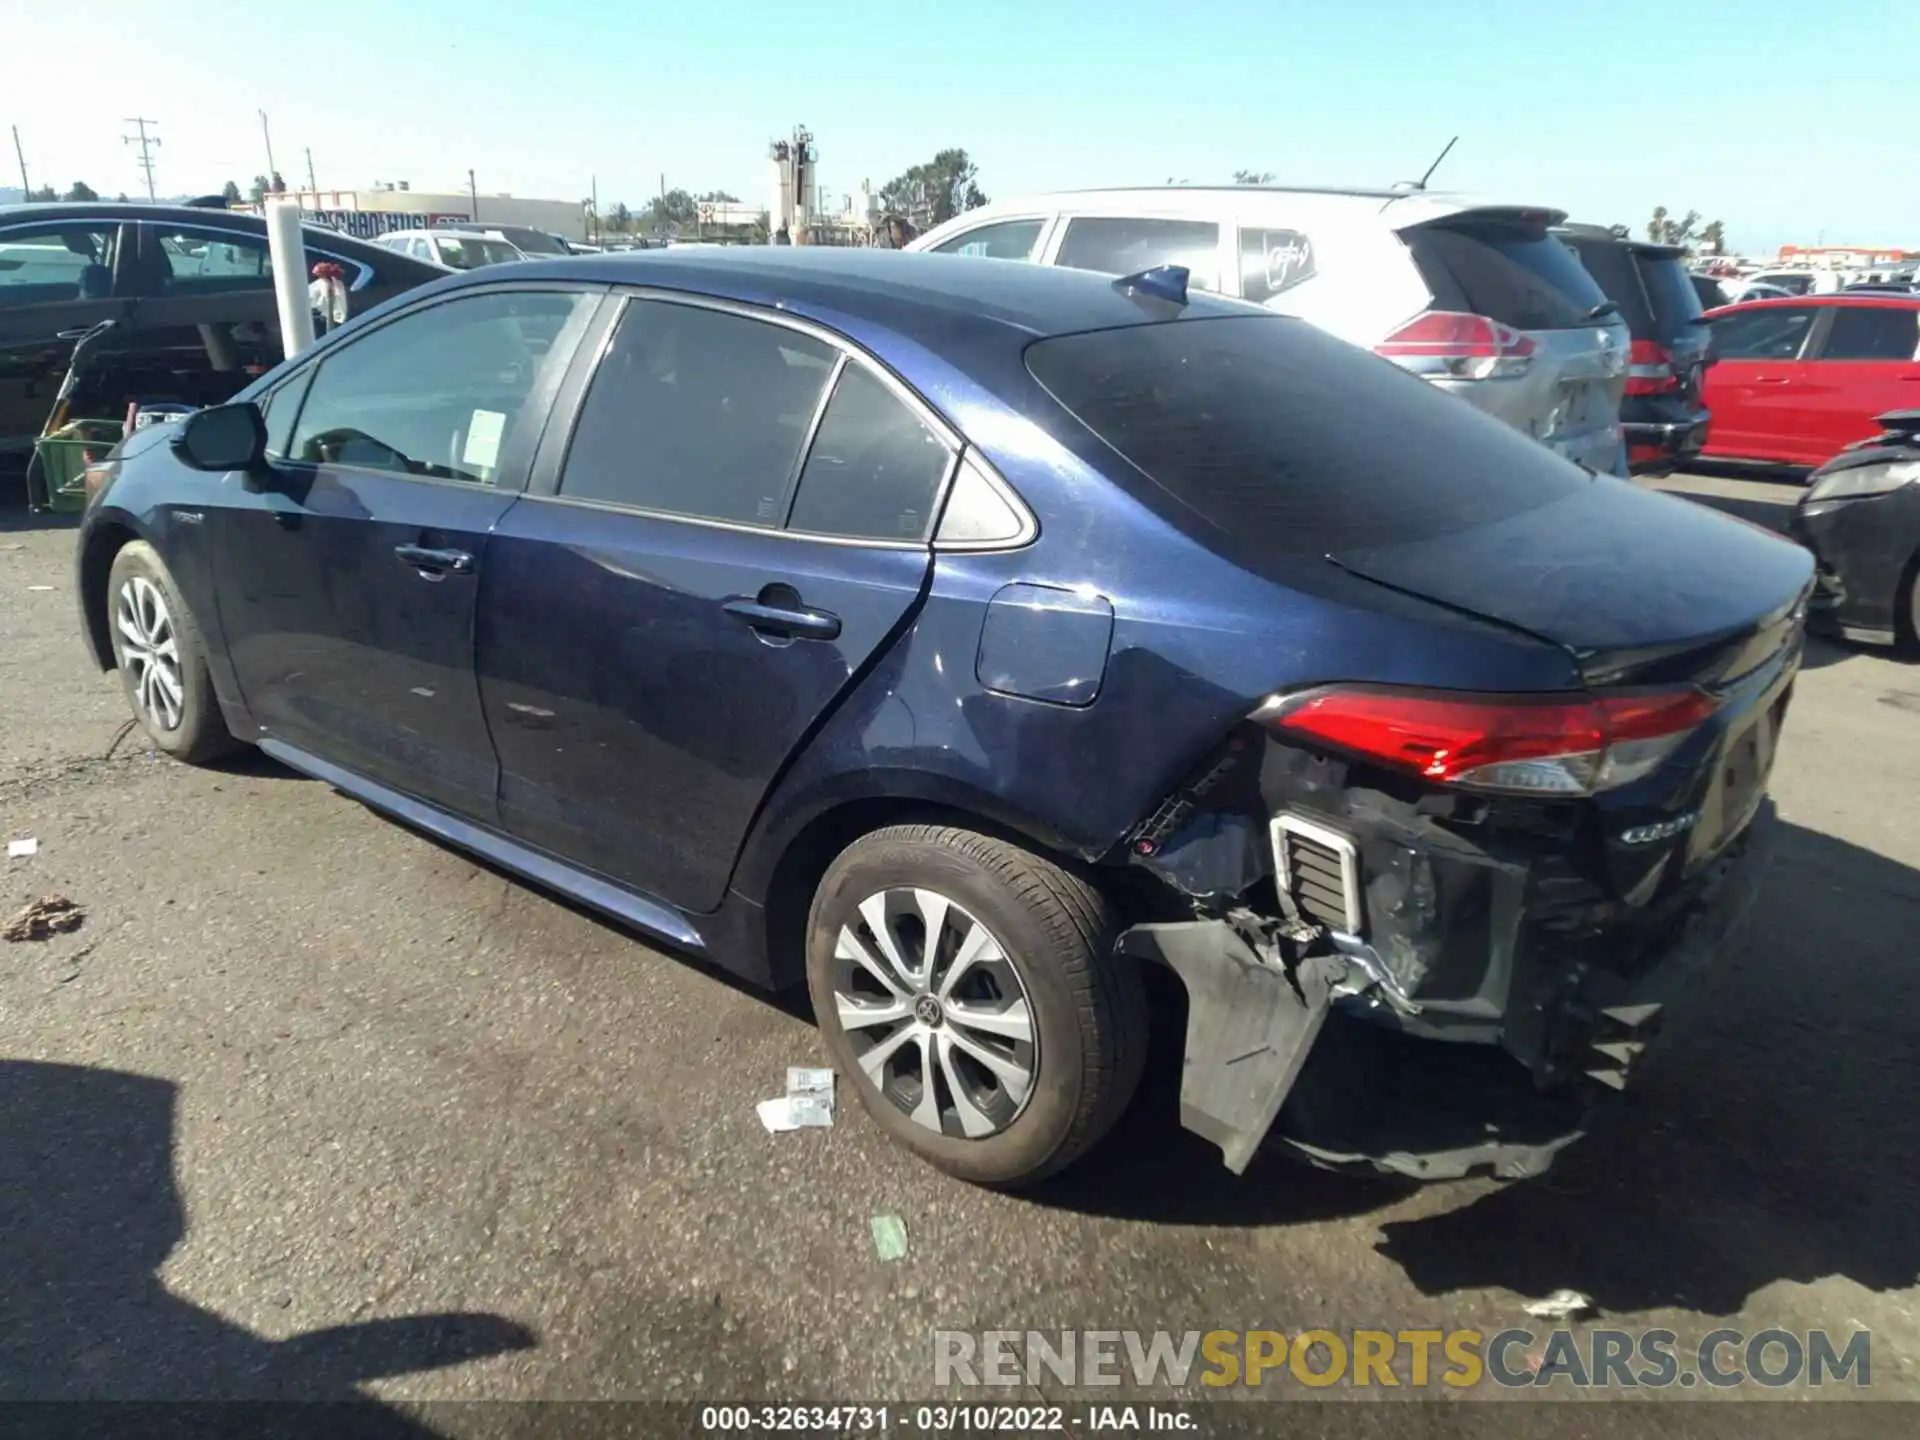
(203, 216)
(1409, 206)
(893, 288)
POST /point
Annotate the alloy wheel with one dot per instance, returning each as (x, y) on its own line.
(150, 652)
(936, 1013)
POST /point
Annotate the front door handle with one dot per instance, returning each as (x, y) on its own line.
(435, 563)
(1772, 380)
(778, 620)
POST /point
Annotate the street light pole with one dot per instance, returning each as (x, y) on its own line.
(267, 135)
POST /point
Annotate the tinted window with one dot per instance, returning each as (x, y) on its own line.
(1279, 439)
(1675, 302)
(697, 412)
(464, 252)
(1272, 261)
(1519, 276)
(49, 263)
(1611, 263)
(1008, 240)
(1872, 332)
(195, 263)
(1773, 333)
(1125, 246)
(438, 393)
(874, 469)
(1791, 283)
(1712, 294)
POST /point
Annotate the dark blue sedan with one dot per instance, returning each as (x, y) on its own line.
(979, 641)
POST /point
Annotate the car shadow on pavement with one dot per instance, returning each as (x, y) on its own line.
(1771, 1138)
(89, 1211)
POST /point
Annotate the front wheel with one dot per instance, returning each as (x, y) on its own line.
(162, 659)
(967, 990)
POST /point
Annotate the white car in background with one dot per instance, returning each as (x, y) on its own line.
(1477, 297)
(455, 249)
(1772, 284)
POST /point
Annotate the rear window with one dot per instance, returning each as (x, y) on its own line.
(1278, 439)
(1611, 264)
(1676, 303)
(1517, 275)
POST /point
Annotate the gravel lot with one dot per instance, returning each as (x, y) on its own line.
(343, 1077)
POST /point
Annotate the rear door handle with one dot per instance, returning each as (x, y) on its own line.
(777, 620)
(435, 563)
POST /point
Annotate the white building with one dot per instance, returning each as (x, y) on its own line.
(380, 208)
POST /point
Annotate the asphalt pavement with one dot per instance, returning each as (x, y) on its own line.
(309, 1103)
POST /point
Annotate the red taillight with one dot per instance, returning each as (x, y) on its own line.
(1553, 744)
(1650, 369)
(1448, 344)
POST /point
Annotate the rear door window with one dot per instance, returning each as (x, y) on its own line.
(1125, 245)
(697, 413)
(70, 260)
(1872, 332)
(1516, 274)
(1268, 436)
(1003, 240)
(194, 262)
(874, 469)
(1775, 332)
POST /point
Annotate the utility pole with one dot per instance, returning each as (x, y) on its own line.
(594, 182)
(146, 143)
(26, 186)
(267, 135)
(312, 184)
(473, 196)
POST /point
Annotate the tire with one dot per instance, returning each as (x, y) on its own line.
(161, 659)
(1906, 611)
(1048, 942)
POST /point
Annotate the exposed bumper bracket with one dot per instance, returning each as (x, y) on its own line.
(1249, 1028)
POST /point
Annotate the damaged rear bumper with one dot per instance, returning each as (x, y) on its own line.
(1280, 1044)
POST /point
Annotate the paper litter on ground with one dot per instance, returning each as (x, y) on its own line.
(20, 849)
(889, 1237)
(808, 1103)
(1560, 1305)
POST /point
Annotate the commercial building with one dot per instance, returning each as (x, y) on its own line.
(380, 208)
(1845, 257)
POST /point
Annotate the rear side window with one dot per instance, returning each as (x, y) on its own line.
(1611, 264)
(1775, 332)
(1006, 240)
(1517, 275)
(1676, 304)
(874, 470)
(1273, 261)
(698, 413)
(1279, 439)
(1125, 245)
(1872, 332)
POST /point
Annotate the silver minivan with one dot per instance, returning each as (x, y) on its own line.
(1478, 297)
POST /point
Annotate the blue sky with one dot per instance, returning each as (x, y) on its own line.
(1786, 121)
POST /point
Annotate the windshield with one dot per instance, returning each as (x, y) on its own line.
(466, 252)
(1281, 439)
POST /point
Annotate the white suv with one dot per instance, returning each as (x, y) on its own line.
(1477, 297)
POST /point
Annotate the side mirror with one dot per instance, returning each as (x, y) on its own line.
(225, 437)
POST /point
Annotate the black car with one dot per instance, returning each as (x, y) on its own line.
(189, 287)
(1662, 414)
(1861, 518)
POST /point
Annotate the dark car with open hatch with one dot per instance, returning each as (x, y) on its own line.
(969, 638)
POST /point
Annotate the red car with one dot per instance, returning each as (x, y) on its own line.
(1794, 381)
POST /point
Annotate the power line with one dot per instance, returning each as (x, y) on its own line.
(146, 143)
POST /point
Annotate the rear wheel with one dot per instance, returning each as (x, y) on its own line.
(1906, 617)
(162, 659)
(968, 992)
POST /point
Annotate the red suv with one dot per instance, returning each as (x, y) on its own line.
(1796, 380)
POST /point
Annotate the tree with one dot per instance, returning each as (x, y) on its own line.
(1713, 237)
(230, 193)
(672, 212)
(1253, 177)
(718, 197)
(620, 219)
(1663, 229)
(82, 191)
(258, 192)
(45, 192)
(937, 190)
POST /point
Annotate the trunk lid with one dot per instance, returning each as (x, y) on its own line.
(1635, 584)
